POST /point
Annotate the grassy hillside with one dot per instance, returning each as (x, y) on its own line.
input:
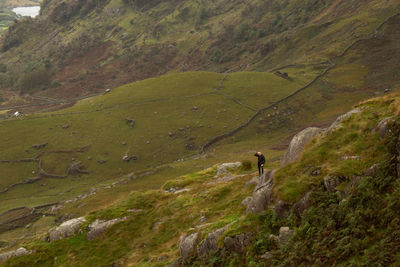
(349, 233)
(86, 47)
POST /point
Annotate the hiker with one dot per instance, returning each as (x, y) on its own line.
(261, 162)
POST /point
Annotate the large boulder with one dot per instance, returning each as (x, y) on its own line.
(338, 122)
(66, 229)
(262, 195)
(14, 253)
(97, 227)
(298, 143)
(187, 246)
(225, 167)
(210, 244)
(238, 243)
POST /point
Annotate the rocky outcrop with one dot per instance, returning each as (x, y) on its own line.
(331, 182)
(98, 227)
(281, 209)
(187, 246)
(338, 122)
(66, 229)
(383, 128)
(262, 194)
(76, 169)
(224, 168)
(238, 243)
(298, 143)
(210, 244)
(14, 253)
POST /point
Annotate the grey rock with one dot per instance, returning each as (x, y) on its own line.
(338, 122)
(285, 233)
(128, 158)
(266, 256)
(97, 227)
(187, 246)
(350, 158)
(262, 195)
(281, 209)
(254, 181)
(383, 128)
(210, 244)
(131, 122)
(331, 182)
(76, 168)
(372, 171)
(39, 146)
(246, 201)
(238, 243)
(298, 143)
(66, 229)
(14, 253)
(300, 206)
(102, 161)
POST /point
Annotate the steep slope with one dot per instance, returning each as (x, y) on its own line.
(357, 163)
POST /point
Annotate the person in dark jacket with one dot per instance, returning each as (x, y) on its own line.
(261, 162)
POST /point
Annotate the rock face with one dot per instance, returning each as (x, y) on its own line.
(331, 182)
(97, 227)
(14, 253)
(224, 167)
(285, 233)
(187, 246)
(66, 229)
(210, 244)
(338, 123)
(298, 143)
(238, 243)
(262, 194)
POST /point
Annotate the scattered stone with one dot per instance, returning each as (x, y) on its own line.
(123, 143)
(66, 229)
(131, 122)
(202, 219)
(350, 158)
(97, 227)
(39, 146)
(338, 122)
(181, 129)
(266, 256)
(246, 201)
(14, 253)
(298, 143)
(194, 108)
(224, 167)
(89, 158)
(66, 126)
(187, 246)
(285, 233)
(102, 161)
(134, 210)
(316, 171)
(182, 191)
(129, 158)
(147, 142)
(170, 134)
(76, 168)
(372, 171)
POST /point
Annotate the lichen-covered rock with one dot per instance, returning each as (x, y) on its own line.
(298, 143)
(238, 243)
(383, 128)
(187, 246)
(224, 167)
(338, 122)
(246, 201)
(262, 194)
(300, 206)
(285, 233)
(97, 227)
(66, 229)
(14, 253)
(210, 244)
(331, 182)
(372, 171)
